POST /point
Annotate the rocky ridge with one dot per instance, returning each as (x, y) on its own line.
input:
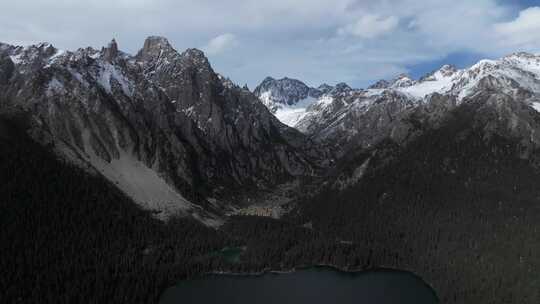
(161, 125)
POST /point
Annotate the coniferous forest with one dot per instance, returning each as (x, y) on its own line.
(69, 237)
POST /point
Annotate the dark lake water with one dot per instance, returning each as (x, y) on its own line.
(313, 286)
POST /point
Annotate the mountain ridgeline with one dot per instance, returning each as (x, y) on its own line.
(162, 125)
(437, 176)
(350, 119)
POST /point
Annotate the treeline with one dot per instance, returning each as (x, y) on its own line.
(281, 245)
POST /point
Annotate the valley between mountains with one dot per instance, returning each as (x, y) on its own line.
(121, 174)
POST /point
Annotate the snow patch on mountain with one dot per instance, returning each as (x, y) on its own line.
(325, 101)
(57, 55)
(54, 86)
(16, 58)
(536, 106)
(439, 82)
(288, 99)
(109, 73)
(292, 114)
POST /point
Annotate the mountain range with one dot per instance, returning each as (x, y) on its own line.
(161, 125)
(436, 175)
(363, 117)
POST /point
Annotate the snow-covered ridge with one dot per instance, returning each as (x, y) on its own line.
(44, 52)
(342, 112)
(292, 114)
(290, 99)
(522, 68)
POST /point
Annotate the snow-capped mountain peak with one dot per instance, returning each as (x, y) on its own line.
(285, 91)
(154, 47)
(445, 71)
(111, 51)
(325, 88)
(523, 68)
(287, 98)
(402, 80)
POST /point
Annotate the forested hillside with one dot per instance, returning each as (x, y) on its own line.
(68, 237)
(456, 206)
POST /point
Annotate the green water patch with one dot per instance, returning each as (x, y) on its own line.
(229, 254)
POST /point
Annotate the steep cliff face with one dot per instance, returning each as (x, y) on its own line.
(162, 125)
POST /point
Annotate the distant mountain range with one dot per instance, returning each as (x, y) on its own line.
(337, 114)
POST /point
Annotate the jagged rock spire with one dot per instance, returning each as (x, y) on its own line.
(196, 56)
(447, 69)
(111, 51)
(402, 80)
(194, 53)
(154, 46)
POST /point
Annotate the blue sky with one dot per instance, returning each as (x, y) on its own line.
(465, 58)
(458, 59)
(353, 41)
(520, 4)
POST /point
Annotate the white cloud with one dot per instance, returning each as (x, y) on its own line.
(221, 43)
(524, 31)
(283, 37)
(370, 26)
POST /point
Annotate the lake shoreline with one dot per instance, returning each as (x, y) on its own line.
(306, 267)
(320, 267)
